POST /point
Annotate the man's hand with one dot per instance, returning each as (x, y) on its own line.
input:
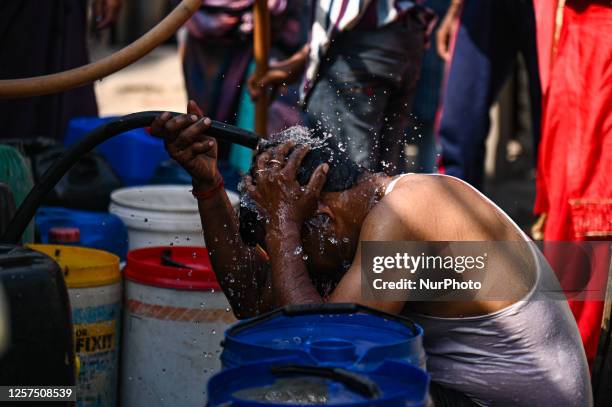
(106, 12)
(276, 189)
(186, 141)
(273, 78)
(280, 73)
(288, 205)
(447, 30)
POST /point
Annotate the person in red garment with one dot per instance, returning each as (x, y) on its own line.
(574, 181)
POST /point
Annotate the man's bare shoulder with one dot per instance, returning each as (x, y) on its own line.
(393, 217)
(438, 207)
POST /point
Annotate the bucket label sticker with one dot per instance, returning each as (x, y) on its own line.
(96, 338)
(93, 338)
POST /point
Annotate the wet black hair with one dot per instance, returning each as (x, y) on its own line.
(343, 173)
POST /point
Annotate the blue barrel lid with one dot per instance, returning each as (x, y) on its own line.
(329, 334)
(293, 384)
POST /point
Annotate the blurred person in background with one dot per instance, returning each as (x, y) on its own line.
(44, 37)
(574, 174)
(426, 101)
(218, 56)
(480, 40)
(360, 70)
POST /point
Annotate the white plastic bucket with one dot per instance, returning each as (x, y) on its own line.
(94, 287)
(174, 322)
(161, 215)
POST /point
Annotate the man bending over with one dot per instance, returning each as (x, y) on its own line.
(306, 210)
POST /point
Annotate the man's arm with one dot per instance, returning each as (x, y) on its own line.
(287, 205)
(241, 273)
(291, 283)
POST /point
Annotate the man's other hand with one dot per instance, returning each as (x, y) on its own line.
(273, 78)
(447, 30)
(276, 190)
(281, 73)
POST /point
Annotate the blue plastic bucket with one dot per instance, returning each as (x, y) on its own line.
(134, 155)
(98, 230)
(292, 384)
(340, 335)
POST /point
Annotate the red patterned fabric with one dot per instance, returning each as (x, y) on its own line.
(574, 179)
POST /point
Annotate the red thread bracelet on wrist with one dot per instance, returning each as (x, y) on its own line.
(202, 195)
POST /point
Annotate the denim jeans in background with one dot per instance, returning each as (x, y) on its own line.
(491, 35)
(364, 91)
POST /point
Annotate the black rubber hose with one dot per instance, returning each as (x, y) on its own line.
(97, 136)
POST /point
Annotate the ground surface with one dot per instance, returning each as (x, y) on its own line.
(153, 83)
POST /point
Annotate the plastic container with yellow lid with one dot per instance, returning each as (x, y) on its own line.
(94, 287)
(83, 267)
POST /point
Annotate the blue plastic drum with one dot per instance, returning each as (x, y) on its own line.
(98, 230)
(133, 155)
(292, 384)
(340, 335)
